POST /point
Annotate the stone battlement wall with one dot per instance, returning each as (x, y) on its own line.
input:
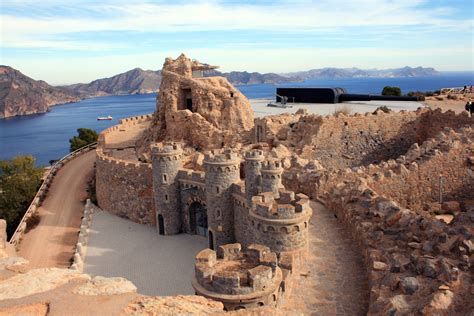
(415, 182)
(107, 133)
(125, 188)
(359, 140)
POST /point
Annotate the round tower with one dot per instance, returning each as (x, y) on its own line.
(281, 224)
(253, 164)
(271, 176)
(240, 279)
(167, 160)
(222, 170)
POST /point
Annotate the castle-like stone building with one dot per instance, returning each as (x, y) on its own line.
(218, 204)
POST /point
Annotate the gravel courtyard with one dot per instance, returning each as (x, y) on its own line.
(157, 265)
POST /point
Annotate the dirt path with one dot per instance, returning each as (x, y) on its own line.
(333, 281)
(52, 242)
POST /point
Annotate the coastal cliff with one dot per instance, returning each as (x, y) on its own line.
(22, 95)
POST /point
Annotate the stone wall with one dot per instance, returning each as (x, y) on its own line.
(359, 140)
(83, 239)
(417, 181)
(125, 188)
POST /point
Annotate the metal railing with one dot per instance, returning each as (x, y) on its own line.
(457, 90)
(42, 191)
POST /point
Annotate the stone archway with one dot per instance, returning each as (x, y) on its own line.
(198, 218)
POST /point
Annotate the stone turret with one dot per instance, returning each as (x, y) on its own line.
(252, 167)
(239, 279)
(167, 160)
(281, 223)
(271, 176)
(222, 170)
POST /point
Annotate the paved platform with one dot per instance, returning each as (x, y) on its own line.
(261, 109)
(157, 265)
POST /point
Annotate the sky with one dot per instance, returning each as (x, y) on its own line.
(70, 41)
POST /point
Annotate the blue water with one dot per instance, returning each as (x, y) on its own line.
(46, 136)
(369, 85)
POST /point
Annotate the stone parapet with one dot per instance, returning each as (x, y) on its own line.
(83, 239)
(238, 278)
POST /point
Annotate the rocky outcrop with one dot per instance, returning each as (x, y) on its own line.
(21, 95)
(204, 113)
(174, 305)
(105, 286)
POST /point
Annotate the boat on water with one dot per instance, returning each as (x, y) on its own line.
(104, 118)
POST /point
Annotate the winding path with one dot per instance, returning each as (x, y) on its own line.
(52, 242)
(333, 280)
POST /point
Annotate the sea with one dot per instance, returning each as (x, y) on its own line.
(46, 136)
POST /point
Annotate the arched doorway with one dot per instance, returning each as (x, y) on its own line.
(211, 240)
(161, 224)
(198, 219)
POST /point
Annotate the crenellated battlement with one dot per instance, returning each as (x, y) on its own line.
(238, 277)
(272, 166)
(287, 206)
(166, 149)
(254, 154)
(221, 157)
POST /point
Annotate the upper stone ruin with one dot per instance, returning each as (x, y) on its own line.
(203, 112)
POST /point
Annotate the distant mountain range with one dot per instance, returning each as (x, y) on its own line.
(21, 95)
(337, 73)
(146, 81)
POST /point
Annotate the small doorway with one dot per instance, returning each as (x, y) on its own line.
(161, 224)
(198, 219)
(211, 240)
(189, 104)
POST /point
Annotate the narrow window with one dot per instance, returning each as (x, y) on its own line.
(217, 190)
(166, 197)
(219, 215)
(165, 178)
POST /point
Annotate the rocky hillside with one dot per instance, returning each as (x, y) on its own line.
(331, 73)
(21, 95)
(135, 81)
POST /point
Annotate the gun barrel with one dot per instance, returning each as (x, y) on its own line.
(344, 97)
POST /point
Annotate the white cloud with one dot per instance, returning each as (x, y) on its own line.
(45, 31)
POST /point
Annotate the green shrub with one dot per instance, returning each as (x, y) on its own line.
(85, 137)
(392, 91)
(19, 181)
(452, 97)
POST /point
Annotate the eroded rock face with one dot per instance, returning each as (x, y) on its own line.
(176, 305)
(37, 281)
(201, 112)
(106, 286)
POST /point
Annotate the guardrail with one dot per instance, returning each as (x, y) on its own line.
(42, 191)
(457, 90)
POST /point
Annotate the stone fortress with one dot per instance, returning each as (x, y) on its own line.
(400, 182)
